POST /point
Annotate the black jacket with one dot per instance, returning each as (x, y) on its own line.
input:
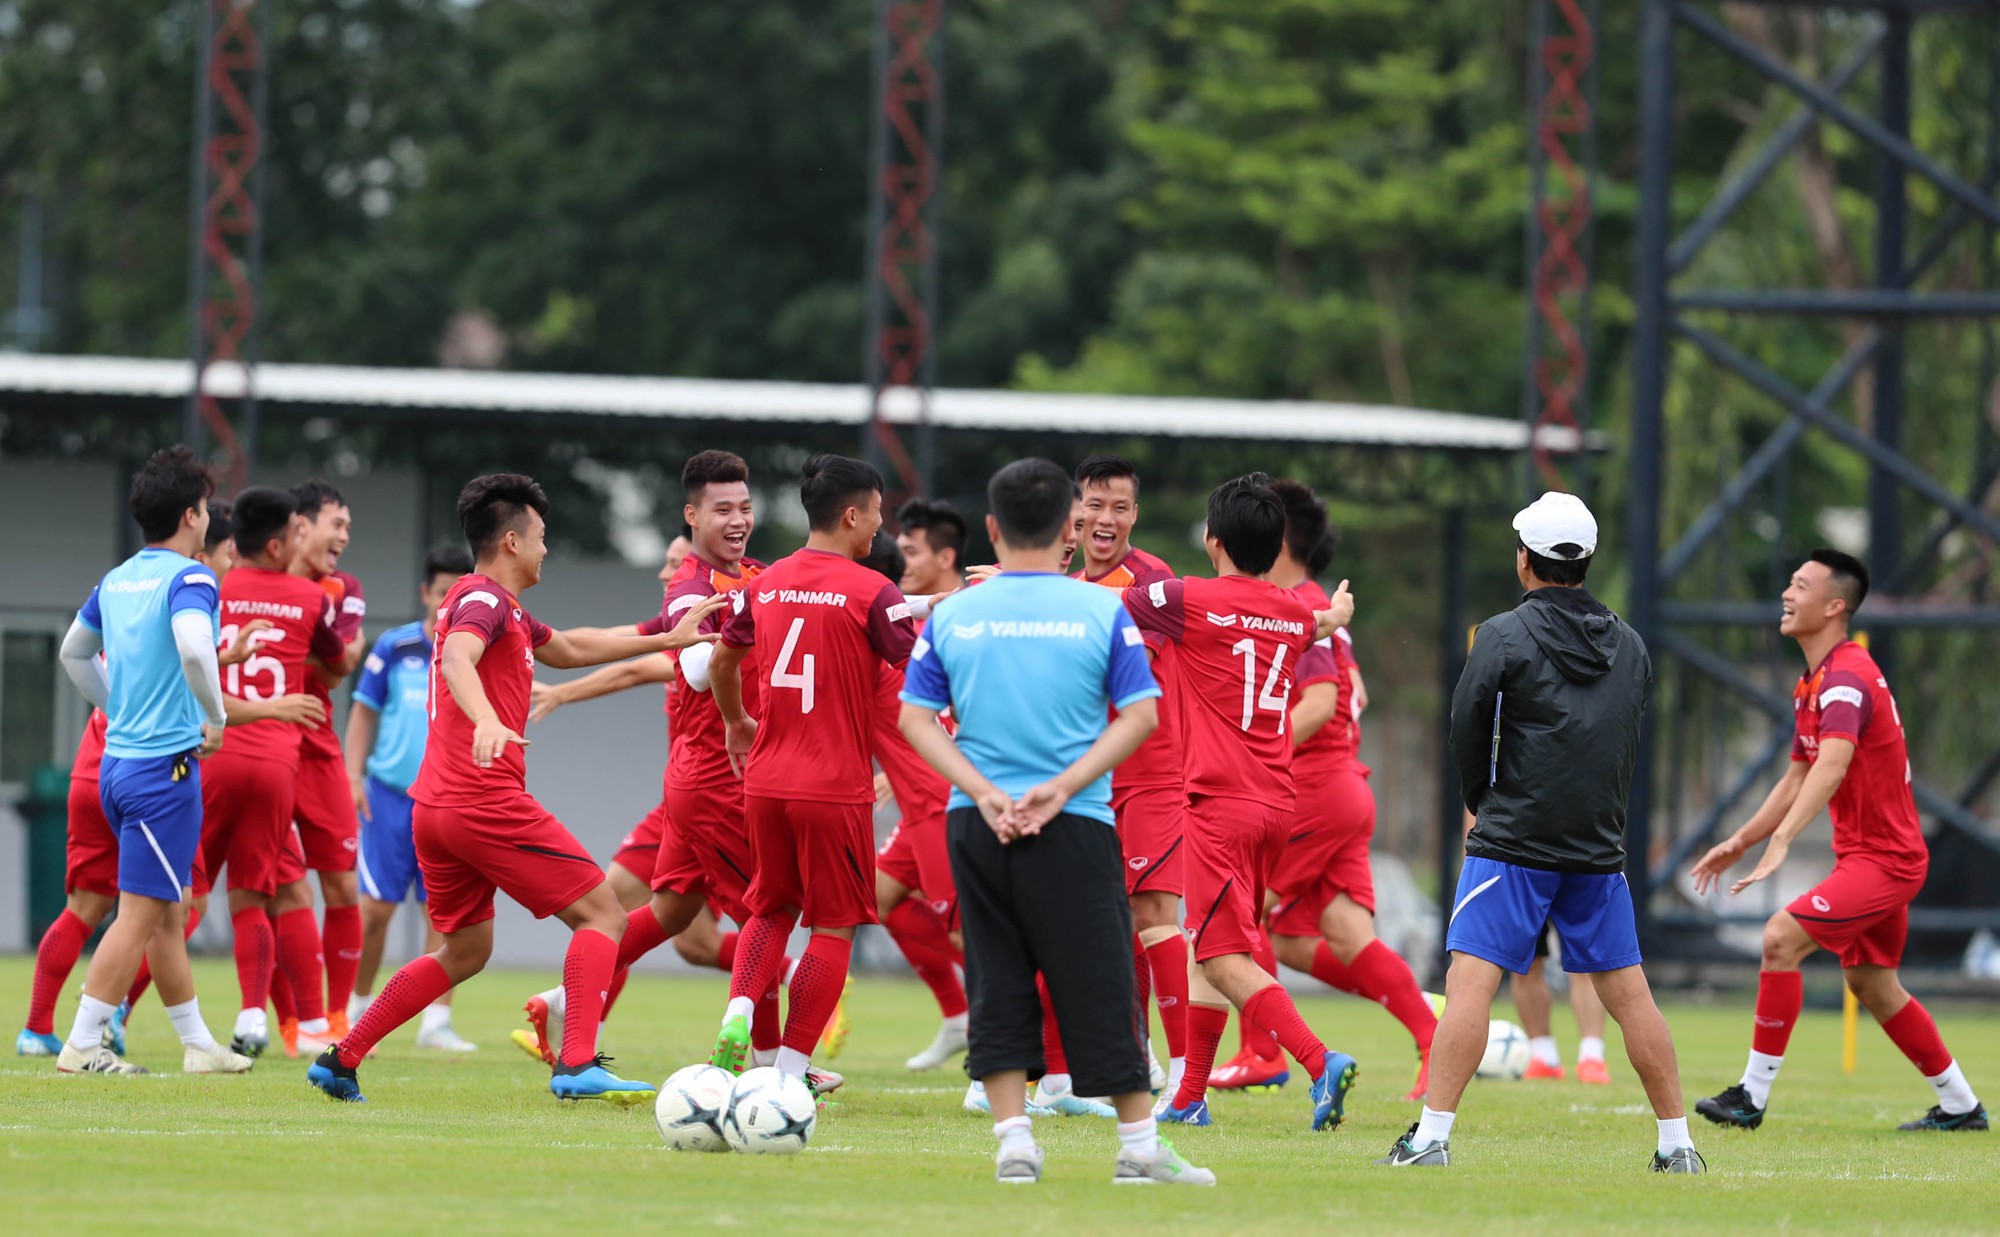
(1544, 729)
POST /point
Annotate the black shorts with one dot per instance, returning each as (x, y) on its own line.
(1053, 903)
(1542, 941)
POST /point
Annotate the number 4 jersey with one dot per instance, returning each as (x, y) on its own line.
(302, 618)
(1240, 642)
(822, 626)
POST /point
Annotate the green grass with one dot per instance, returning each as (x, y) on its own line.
(476, 1145)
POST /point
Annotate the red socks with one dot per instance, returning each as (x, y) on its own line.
(643, 934)
(1054, 1059)
(1912, 1031)
(766, 1033)
(421, 982)
(725, 951)
(61, 946)
(1272, 1010)
(1168, 962)
(760, 956)
(1780, 997)
(1385, 979)
(299, 955)
(1205, 1025)
(342, 935)
(255, 948)
(611, 998)
(587, 969)
(816, 988)
(920, 932)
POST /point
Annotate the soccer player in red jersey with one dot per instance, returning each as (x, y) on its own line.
(821, 626)
(1848, 755)
(1238, 642)
(476, 827)
(1146, 789)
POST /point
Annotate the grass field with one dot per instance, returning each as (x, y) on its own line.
(476, 1145)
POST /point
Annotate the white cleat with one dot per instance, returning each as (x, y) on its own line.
(445, 1039)
(1156, 1078)
(977, 1103)
(99, 1060)
(1070, 1104)
(1164, 1167)
(216, 1060)
(950, 1042)
(1018, 1167)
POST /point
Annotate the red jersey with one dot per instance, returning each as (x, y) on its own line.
(1336, 744)
(921, 791)
(90, 748)
(1240, 641)
(349, 609)
(303, 621)
(1157, 763)
(697, 755)
(449, 778)
(1874, 811)
(822, 626)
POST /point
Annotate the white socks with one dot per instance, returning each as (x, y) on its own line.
(1590, 1048)
(252, 1024)
(188, 1025)
(762, 1057)
(793, 1062)
(1674, 1135)
(1015, 1134)
(1432, 1128)
(1758, 1076)
(92, 1016)
(1176, 1066)
(556, 1001)
(1054, 1084)
(739, 1007)
(1543, 1048)
(436, 1017)
(1140, 1138)
(955, 1023)
(316, 1026)
(1954, 1092)
(357, 1005)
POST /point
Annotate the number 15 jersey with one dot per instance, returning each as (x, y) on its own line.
(822, 626)
(302, 618)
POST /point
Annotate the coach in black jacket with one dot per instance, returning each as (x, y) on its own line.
(1544, 728)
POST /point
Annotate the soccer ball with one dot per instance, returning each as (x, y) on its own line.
(1506, 1051)
(692, 1107)
(770, 1113)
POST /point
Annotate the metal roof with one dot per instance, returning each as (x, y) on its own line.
(708, 399)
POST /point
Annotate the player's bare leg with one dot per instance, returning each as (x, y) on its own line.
(1264, 1003)
(1536, 1006)
(1649, 1045)
(1589, 1007)
(926, 943)
(112, 967)
(342, 933)
(55, 958)
(1909, 1026)
(167, 958)
(376, 916)
(632, 891)
(1780, 998)
(1470, 985)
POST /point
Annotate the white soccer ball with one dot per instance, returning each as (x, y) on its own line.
(692, 1107)
(1506, 1051)
(770, 1113)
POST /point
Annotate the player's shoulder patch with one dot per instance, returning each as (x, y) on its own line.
(481, 596)
(1156, 592)
(1134, 636)
(1842, 694)
(920, 649)
(374, 663)
(199, 577)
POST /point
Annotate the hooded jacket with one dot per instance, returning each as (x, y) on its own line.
(1544, 730)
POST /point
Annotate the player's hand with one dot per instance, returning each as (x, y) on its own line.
(489, 739)
(359, 789)
(211, 741)
(1774, 858)
(883, 792)
(1339, 612)
(742, 736)
(299, 709)
(688, 630)
(998, 810)
(1040, 805)
(981, 574)
(1720, 858)
(242, 646)
(543, 699)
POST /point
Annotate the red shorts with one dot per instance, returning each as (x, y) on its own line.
(705, 849)
(915, 857)
(513, 845)
(323, 809)
(1232, 846)
(292, 858)
(246, 809)
(1152, 826)
(813, 856)
(1859, 912)
(639, 851)
(91, 854)
(1326, 853)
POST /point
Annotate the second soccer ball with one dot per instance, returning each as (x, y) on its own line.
(1506, 1051)
(771, 1113)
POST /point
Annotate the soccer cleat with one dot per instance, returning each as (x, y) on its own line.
(1246, 1071)
(823, 1082)
(732, 1045)
(335, 1079)
(1422, 1086)
(35, 1044)
(1165, 1166)
(248, 1045)
(114, 1031)
(1070, 1104)
(1594, 1072)
(1732, 1107)
(288, 1035)
(1683, 1160)
(1018, 1167)
(537, 1044)
(950, 1042)
(311, 1043)
(593, 1080)
(99, 1060)
(1938, 1119)
(216, 1060)
(445, 1039)
(1156, 1078)
(1194, 1114)
(1405, 1154)
(336, 1024)
(1329, 1090)
(839, 1027)
(1538, 1071)
(976, 1103)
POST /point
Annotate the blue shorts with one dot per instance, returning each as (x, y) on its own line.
(153, 804)
(1500, 910)
(388, 858)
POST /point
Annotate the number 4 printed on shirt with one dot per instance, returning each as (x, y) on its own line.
(782, 675)
(1266, 699)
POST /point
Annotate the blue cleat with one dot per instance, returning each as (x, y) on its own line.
(337, 1080)
(1194, 1114)
(593, 1081)
(114, 1031)
(1329, 1091)
(35, 1044)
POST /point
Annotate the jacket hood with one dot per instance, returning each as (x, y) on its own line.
(1577, 632)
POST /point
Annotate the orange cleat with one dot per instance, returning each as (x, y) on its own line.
(1537, 1070)
(1593, 1071)
(1246, 1071)
(288, 1034)
(336, 1022)
(537, 1010)
(1422, 1086)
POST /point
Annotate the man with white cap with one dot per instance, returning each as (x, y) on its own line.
(1544, 728)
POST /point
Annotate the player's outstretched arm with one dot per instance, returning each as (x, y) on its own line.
(298, 708)
(585, 646)
(1821, 781)
(80, 647)
(1707, 873)
(546, 698)
(929, 740)
(1338, 614)
(1134, 724)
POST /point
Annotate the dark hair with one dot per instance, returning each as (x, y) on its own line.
(447, 560)
(942, 526)
(1103, 469)
(172, 482)
(489, 506)
(1031, 500)
(1567, 571)
(313, 495)
(883, 556)
(1305, 518)
(221, 524)
(706, 468)
(1322, 554)
(686, 533)
(1249, 521)
(262, 513)
(830, 484)
(1850, 576)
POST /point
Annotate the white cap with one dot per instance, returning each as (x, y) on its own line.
(1557, 520)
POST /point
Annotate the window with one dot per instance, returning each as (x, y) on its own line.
(28, 703)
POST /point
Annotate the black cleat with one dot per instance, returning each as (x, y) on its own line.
(1403, 1155)
(1732, 1108)
(335, 1079)
(1939, 1119)
(1683, 1160)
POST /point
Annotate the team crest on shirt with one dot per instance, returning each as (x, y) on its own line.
(1821, 904)
(1137, 863)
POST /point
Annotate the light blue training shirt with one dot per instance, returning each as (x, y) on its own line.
(152, 711)
(395, 682)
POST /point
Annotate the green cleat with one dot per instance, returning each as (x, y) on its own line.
(732, 1045)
